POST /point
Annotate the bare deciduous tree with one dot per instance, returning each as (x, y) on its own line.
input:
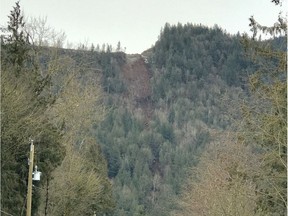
(222, 182)
(42, 34)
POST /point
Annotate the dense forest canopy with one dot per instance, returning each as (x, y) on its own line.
(196, 125)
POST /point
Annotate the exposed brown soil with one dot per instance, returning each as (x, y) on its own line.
(136, 75)
(137, 79)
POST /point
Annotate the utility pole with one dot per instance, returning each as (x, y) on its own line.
(29, 192)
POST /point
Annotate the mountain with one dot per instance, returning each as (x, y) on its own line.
(139, 122)
(164, 104)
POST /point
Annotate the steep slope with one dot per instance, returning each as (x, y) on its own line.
(136, 75)
(164, 103)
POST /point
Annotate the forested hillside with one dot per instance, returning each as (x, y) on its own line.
(118, 134)
(163, 107)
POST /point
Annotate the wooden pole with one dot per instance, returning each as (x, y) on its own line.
(29, 193)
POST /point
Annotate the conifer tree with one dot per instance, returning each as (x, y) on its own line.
(17, 40)
(22, 118)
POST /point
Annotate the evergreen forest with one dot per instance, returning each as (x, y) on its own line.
(195, 125)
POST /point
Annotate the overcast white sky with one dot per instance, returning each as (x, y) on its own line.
(137, 23)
